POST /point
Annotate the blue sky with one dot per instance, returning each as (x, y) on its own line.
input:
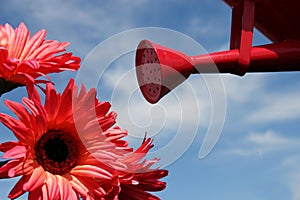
(256, 156)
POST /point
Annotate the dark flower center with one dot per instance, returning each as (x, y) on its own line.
(56, 152)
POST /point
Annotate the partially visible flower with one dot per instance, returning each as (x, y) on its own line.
(60, 156)
(24, 58)
(139, 179)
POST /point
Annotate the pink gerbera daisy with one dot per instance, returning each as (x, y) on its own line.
(57, 156)
(24, 58)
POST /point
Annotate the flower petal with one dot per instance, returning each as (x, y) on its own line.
(20, 39)
(4, 37)
(31, 105)
(102, 108)
(24, 167)
(91, 171)
(52, 186)
(3, 54)
(17, 127)
(77, 185)
(8, 145)
(65, 107)
(96, 191)
(34, 42)
(18, 188)
(32, 92)
(19, 110)
(66, 191)
(16, 152)
(51, 101)
(36, 194)
(36, 180)
(4, 170)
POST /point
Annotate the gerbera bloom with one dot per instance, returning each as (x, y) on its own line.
(139, 179)
(24, 58)
(65, 153)
(50, 154)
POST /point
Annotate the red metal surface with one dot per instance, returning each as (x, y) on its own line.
(276, 19)
(236, 27)
(277, 57)
(160, 69)
(246, 34)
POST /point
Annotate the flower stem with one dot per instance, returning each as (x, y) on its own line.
(6, 86)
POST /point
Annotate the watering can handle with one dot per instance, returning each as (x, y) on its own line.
(242, 34)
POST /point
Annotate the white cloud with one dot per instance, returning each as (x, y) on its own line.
(243, 89)
(269, 138)
(180, 106)
(83, 23)
(276, 107)
(263, 143)
(279, 153)
(261, 103)
(192, 102)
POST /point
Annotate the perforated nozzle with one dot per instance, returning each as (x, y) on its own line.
(160, 69)
(149, 74)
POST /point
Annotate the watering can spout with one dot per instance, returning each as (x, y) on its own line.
(160, 69)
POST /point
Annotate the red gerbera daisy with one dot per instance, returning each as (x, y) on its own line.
(50, 156)
(24, 58)
(144, 178)
(139, 179)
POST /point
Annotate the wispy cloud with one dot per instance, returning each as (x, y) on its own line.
(261, 103)
(278, 154)
(263, 143)
(183, 105)
(276, 107)
(244, 89)
(83, 23)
